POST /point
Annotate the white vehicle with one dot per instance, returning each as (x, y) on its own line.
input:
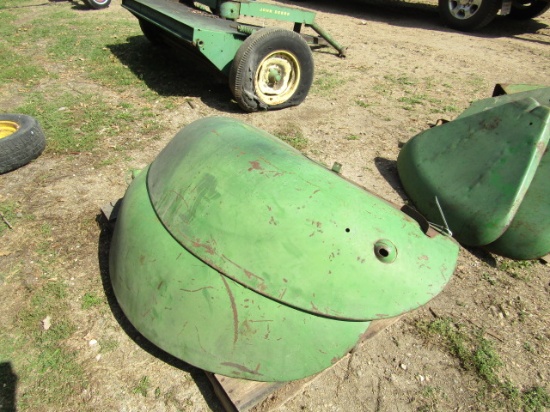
(470, 15)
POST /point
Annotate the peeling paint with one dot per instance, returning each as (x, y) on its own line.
(255, 165)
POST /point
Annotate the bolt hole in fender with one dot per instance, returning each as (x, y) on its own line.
(98, 4)
(273, 69)
(21, 140)
(468, 15)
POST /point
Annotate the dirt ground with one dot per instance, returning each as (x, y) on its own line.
(403, 71)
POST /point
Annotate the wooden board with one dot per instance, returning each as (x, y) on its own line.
(240, 395)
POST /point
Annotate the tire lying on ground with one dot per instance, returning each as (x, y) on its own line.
(21, 140)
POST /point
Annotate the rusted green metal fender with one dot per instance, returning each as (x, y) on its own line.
(239, 255)
(489, 170)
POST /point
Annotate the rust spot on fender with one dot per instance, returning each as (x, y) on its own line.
(234, 309)
(251, 275)
(255, 165)
(197, 290)
(207, 248)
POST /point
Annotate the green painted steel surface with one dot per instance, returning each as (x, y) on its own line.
(255, 208)
(541, 96)
(239, 255)
(502, 88)
(216, 39)
(528, 236)
(196, 314)
(273, 11)
(488, 172)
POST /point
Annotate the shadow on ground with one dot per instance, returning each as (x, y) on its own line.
(170, 72)
(388, 169)
(8, 387)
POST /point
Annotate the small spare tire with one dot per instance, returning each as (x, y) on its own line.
(21, 140)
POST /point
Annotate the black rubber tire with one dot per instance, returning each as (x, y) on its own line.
(151, 32)
(528, 10)
(23, 141)
(98, 4)
(480, 16)
(255, 50)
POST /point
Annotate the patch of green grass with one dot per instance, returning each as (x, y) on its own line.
(516, 268)
(362, 103)
(48, 373)
(15, 68)
(90, 300)
(108, 345)
(528, 347)
(451, 109)
(492, 281)
(477, 82)
(46, 229)
(474, 352)
(74, 117)
(77, 122)
(78, 41)
(485, 360)
(536, 399)
(431, 396)
(412, 100)
(477, 354)
(105, 162)
(8, 215)
(326, 83)
(401, 80)
(414, 93)
(142, 387)
(292, 134)
(352, 137)
(67, 120)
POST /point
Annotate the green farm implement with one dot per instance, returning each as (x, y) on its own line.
(267, 68)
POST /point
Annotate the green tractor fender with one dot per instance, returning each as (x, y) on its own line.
(237, 254)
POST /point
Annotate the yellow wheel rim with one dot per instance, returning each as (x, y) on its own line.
(7, 128)
(277, 77)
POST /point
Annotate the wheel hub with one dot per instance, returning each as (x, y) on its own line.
(7, 128)
(277, 77)
(464, 9)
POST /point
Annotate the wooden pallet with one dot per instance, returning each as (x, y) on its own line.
(240, 395)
